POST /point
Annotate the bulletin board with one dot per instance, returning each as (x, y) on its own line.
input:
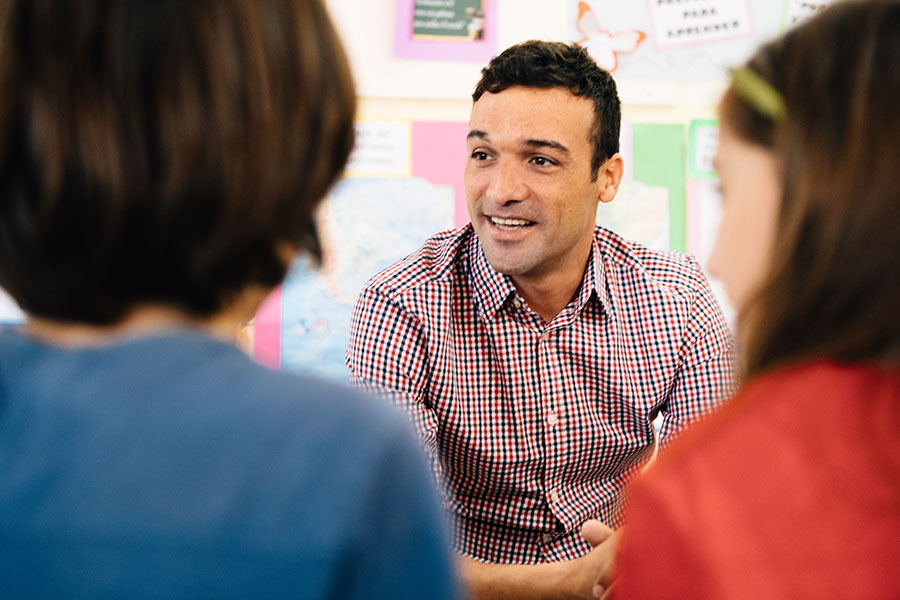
(371, 30)
(404, 182)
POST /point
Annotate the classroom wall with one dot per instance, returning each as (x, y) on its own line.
(404, 182)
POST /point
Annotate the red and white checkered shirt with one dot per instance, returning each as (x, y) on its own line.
(534, 427)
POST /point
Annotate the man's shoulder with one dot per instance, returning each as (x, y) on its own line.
(433, 262)
(673, 271)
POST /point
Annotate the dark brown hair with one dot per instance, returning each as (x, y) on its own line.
(554, 64)
(833, 289)
(163, 151)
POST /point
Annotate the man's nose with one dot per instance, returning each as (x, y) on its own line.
(507, 183)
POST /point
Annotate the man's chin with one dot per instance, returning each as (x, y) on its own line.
(508, 265)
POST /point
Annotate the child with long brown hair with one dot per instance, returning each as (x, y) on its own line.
(793, 490)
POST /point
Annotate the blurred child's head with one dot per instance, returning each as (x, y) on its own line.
(809, 248)
(163, 152)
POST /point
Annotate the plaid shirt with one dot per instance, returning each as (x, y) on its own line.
(534, 427)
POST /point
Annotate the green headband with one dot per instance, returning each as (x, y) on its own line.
(758, 92)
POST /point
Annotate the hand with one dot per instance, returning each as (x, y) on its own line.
(605, 543)
(583, 578)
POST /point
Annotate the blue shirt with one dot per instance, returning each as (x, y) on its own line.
(173, 466)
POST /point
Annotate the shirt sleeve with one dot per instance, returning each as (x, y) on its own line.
(706, 377)
(387, 355)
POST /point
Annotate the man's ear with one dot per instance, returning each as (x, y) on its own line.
(609, 176)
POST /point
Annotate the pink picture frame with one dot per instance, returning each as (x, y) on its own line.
(480, 51)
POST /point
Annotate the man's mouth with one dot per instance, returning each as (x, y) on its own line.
(510, 224)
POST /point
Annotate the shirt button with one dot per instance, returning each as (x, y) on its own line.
(552, 418)
(554, 496)
(545, 336)
(546, 538)
(517, 303)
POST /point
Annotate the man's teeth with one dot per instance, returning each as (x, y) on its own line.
(510, 223)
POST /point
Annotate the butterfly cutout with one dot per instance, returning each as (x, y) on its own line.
(601, 44)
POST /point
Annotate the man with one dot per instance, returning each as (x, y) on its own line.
(533, 348)
(160, 165)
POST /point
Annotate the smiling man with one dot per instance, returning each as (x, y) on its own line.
(532, 347)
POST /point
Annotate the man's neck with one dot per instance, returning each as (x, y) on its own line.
(548, 295)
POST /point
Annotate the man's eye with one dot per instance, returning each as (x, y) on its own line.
(541, 161)
(479, 155)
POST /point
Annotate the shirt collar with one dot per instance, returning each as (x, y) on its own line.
(594, 282)
(492, 289)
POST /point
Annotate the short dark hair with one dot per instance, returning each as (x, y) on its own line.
(164, 151)
(833, 286)
(555, 64)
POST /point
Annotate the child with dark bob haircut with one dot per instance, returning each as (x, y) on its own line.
(160, 166)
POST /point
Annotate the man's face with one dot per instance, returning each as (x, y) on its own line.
(528, 181)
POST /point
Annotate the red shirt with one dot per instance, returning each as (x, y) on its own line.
(536, 427)
(792, 491)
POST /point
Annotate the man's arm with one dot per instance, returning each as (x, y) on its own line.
(706, 377)
(387, 355)
(585, 577)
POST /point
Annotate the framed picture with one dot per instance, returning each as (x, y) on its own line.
(456, 30)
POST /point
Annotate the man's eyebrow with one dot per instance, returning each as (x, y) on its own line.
(482, 135)
(548, 144)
